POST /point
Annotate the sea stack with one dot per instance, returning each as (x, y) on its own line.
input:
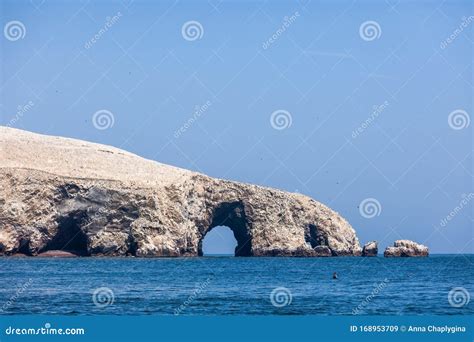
(370, 249)
(406, 248)
(91, 199)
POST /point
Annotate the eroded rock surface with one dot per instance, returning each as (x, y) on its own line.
(406, 248)
(322, 251)
(90, 199)
(370, 249)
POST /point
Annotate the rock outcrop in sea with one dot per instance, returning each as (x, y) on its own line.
(370, 249)
(60, 194)
(406, 248)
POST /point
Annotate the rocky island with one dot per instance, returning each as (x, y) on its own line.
(406, 248)
(63, 197)
(90, 199)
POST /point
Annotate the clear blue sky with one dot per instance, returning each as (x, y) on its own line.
(321, 68)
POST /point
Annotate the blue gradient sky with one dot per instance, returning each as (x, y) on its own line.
(319, 69)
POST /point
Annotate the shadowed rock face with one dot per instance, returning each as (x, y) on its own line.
(90, 199)
(406, 248)
(370, 249)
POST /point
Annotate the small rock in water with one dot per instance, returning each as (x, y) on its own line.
(370, 249)
(406, 248)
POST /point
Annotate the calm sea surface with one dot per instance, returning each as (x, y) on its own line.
(228, 285)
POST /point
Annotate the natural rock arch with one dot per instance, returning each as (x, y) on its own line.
(232, 215)
(121, 204)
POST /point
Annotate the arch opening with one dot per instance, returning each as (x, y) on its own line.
(231, 215)
(69, 236)
(24, 247)
(219, 241)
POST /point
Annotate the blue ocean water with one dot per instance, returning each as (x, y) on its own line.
(229, 286)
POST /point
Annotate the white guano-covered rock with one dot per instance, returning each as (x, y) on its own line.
(91, 199)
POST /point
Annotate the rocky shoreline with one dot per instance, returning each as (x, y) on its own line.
(401, 248)
(62, 197)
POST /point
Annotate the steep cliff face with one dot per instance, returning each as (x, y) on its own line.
(64, 194)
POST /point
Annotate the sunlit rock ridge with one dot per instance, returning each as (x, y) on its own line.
(90, 199)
